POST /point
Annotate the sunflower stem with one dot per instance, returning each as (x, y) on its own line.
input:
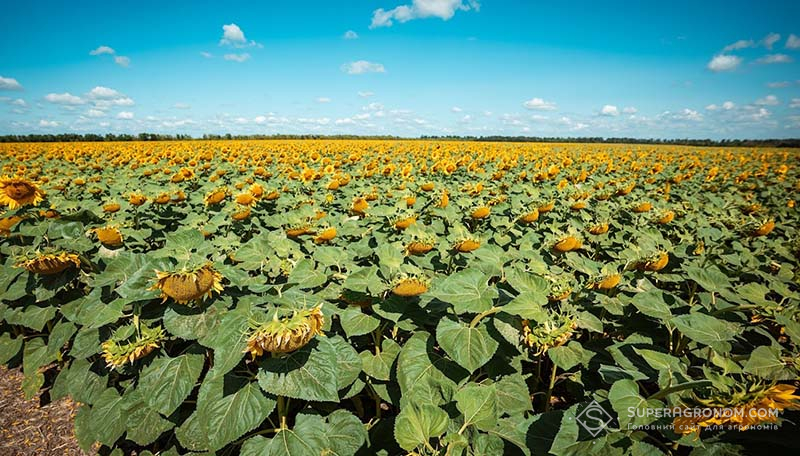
(483, 315)
(550, 388)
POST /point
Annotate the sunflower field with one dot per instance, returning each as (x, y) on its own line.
(326, 297)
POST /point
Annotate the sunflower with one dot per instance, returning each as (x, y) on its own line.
(186, 286)
(444, 200)
(17, 192)
(241, 215)
(598, 229)
(111, 208)
(763, 229)
(410, 286)
(50, 263)
(215, 196)
(467, 245)
(744, 407)
(654, 263)
(547, 207)
(419, 247)
(118, 354)
(137, 199)
(642, 207)
(325, 235)
(665, 217)
(480, 212)
(7, 223)
(567, 244)
(530, 217)
(297, 231)
(360, 206)
(284, 335)
(245, 199)
(401, 223)
(606, 282)
(553, 332)
(109, 236)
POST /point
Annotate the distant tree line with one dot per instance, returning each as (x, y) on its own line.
(71, 137)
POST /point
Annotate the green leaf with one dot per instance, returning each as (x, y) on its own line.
(59, 336)
(514, 430)
(191, 323)
(82, 384)
(85, 344)
(356, 323)
(513, 396)
(467, 290)
(306, 276)
(30, 316)
(345, 433)
(525, 282)
(422, 373)
(706, 329)
(765, 362)
(470, 347)
(145, 425)
(228, 340)
(625, 399)
(570, 355)
(167, 382)
(232, 416)
(380, 366)
(9, 347)
(652, 304)
(305, 439)
(709, 277)
(309, 373)
(107, 422)
(347, 360)
(418, 423)
(528, 305)
(478, 404)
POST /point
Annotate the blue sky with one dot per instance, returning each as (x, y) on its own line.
(405, 67)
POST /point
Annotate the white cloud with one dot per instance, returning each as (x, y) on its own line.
(260, 120)
(350, 35)
(233, 36)
(741, 44)
(207, 55)
(363, 116)
(95, 113)
(630, 110)
(455, 109)
(420, 9)
(769, 100)
(362, 67)
(182, 106)
(101, 92)
(323, 100)
(65, 98)
(237, 57)
(373, 107)
(19, 102)
(778, 84)
(728, 105)
(540, 104)
(775, 58)
(9, 84)
(770, 39)
(125, 115)
(756, 115)
(685, 114)
(365, 94)
(724, 62)
(48, 123)
(795, 103)
(122, 61)
(177, 123)
(793, 42)
(345, 121)
(102, 50)
(609, 110)
(104, 124)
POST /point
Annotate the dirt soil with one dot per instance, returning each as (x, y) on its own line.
(28, 428)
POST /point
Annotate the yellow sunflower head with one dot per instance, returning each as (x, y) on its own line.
(555, 331)
(49, 263)
(408, 286)
(17, 192)
(284, 335)
(109, 236)
(188, 286)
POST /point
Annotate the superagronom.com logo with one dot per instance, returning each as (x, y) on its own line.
(594, 418)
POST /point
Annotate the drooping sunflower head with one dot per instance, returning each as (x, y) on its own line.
(118, 353)
(655, 262)
(48, 263)
(108, 235)
(567, 243)
(186, 286)
(17, 192)
(555, 331)
(560, 288)
(606, 281)
(480, 212)
(421, 245)
(325, 235)
(215, 196)
(7, 223)
(408, 286)
(403, 221)
(599, 228)
(284, 335)
(467, 244)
